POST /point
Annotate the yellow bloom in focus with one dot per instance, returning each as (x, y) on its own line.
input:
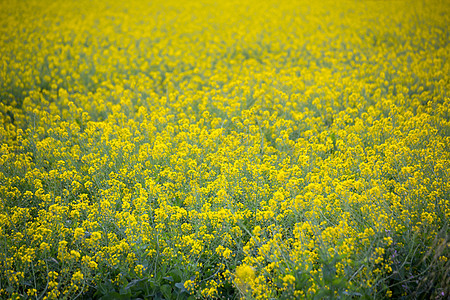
(288, 279)
(93, 265)
(78, 233)
(75, 254)
(44, 247)
(245, 275)
(77, 276)
(227, 253)
(189, 285)
(278, 196)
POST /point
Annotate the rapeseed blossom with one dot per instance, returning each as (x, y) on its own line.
(241, 149)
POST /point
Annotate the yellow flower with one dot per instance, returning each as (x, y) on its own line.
(77, 277)
(245, 275)
(288, 279)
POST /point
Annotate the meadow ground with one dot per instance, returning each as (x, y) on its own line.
(224, 149)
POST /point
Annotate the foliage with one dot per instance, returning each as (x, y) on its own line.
(224, 149)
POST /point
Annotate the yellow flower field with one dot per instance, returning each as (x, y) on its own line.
(224, 149)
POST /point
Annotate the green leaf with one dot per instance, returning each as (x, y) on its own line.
(338, 283)
(123, 291)
(158, 297)
(329, 272)
(115, 296)
(134, 283)
(352, 294)
(104, 288)
(323, 294)
(180, 287)
(176, 275)
(166, 290)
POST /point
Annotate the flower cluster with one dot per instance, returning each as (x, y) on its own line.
(254, 149)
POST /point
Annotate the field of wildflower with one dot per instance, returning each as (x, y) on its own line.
(224, 149)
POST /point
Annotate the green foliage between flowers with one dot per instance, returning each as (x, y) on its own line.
(244, 149)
